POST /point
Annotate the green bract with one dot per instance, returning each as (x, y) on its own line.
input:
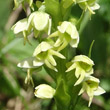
(44, 91)
(83, 67)
(67, 33)
(39, 21)
(91, 86)
(45, 52)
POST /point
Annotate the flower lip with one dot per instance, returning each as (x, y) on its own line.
(83, 58)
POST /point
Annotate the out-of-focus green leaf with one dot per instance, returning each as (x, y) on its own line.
(104, 10)
(4, 11)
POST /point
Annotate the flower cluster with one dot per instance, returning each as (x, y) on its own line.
(42, 22)
(83, 67)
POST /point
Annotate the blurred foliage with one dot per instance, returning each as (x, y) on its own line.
(15, 95)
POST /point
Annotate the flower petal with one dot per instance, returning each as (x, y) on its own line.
(99, 91)
(30, 62)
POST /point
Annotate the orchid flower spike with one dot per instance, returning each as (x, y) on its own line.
(91, 86)
(67, 33)
(83, 67)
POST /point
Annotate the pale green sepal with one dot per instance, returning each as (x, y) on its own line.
(58, 42)
(44, 91)
(78, 72)
(64, 44)
(52, 60)
(74, 43)
(82, 75)
(40, 20)
(69, 28)
(91, 78)
(99, 91)
(90, 93)
(42, 47)
(20, 26)
(30, 21)
(30, 62)
(73, 66)
(48, 64)
(53, 52)
(96, 6)
(83, 58)
(83, 89)
(62, 28)
(55, 34)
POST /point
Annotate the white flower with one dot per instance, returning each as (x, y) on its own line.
(91, 87)
(45, 52)
(67, 34)
(83, 67)
(39, 21)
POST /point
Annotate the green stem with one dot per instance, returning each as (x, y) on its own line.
(80, 20)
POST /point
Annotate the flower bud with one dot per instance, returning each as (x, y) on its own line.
(30, 62)
(44, 91)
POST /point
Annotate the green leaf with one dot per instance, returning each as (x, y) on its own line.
(61, 96)
(53, 8)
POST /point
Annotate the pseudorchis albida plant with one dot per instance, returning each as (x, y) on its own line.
(52, 19)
